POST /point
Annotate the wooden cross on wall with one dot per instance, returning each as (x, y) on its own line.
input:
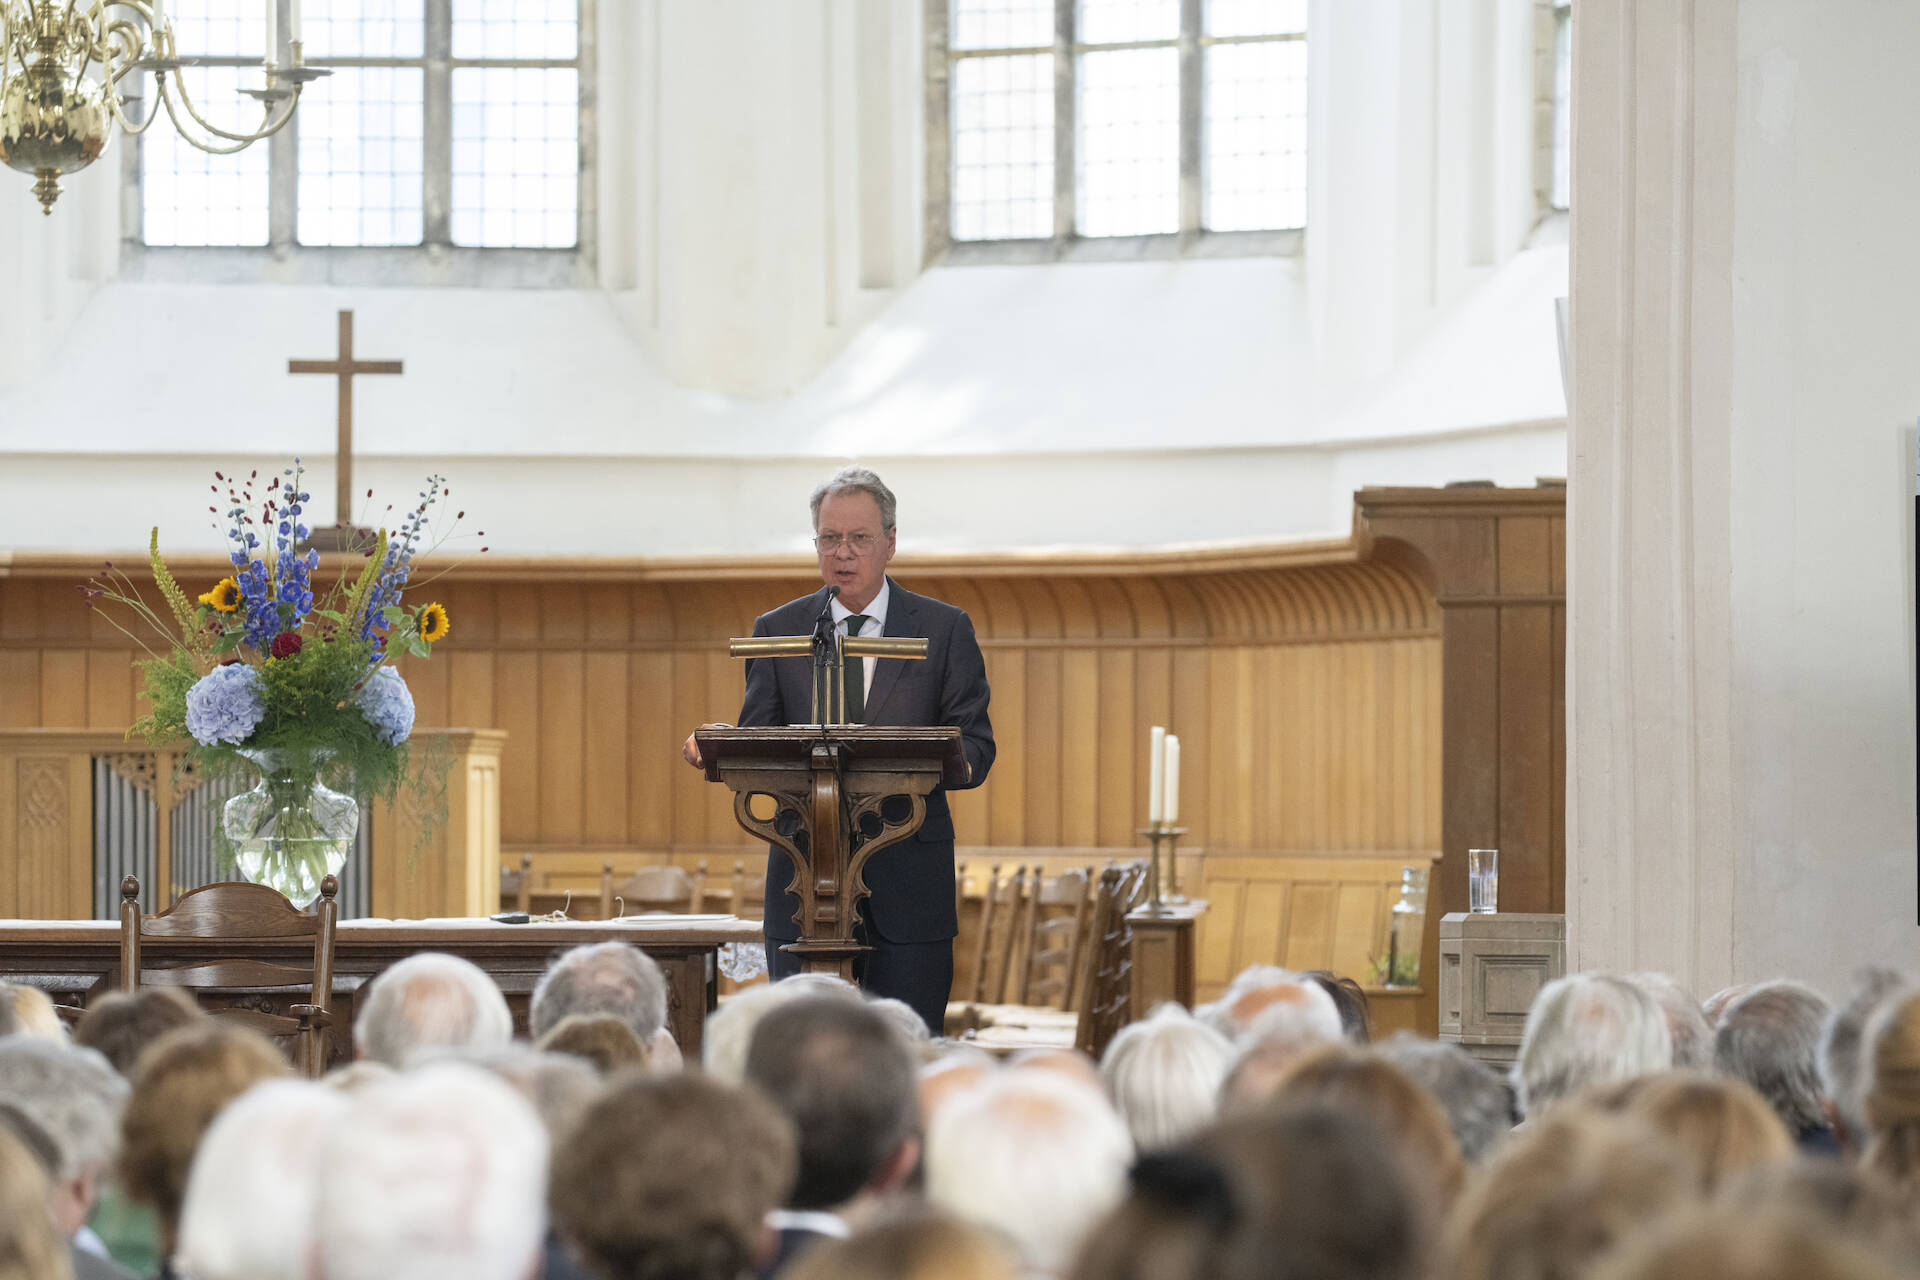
(344, 367)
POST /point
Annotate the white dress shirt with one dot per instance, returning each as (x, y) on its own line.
(876, 613)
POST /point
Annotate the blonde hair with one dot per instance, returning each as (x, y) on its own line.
(1893, 1092)
(30, 1248)
(1722, 1124)
(33, 1011)
(1732, 1245)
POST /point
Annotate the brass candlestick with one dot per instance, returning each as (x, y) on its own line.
(1158, 833)
(1173, 894)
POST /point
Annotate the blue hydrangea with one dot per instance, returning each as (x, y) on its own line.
(388, 706)
(226, 704)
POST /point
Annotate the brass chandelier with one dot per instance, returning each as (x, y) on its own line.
(61, 64)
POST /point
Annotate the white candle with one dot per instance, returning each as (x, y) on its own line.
(293, 18)
(273, 33)
(159, 14)
(1171, 805)
(1156, 772)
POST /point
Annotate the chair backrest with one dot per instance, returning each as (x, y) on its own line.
(1107, 1004)
(699, 903)
(516, 887)
(232, 918)
(988, 908)
(749, 893)
(656, 890)
(1056, 925)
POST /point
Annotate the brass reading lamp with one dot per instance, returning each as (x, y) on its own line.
(829, 651)
(61, 64)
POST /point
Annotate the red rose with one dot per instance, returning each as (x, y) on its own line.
(286, 644)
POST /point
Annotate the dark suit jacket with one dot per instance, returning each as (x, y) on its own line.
(912, 882)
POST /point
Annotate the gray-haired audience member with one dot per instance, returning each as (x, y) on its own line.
(9, 1020)
(1035, 1155)
(729, 1031)
(437, 1174)
(1716, 1004)
(1164, 1075)
(75, 1097)
(845, 1077)
(1286, 1006)
(1478, 1102)
(1770, 1037)
(905, 1019)
(613, 978)
(430, 1001)
(1686, 1025)
(248, 1213)
(1843, 1074)
(1583, 1030)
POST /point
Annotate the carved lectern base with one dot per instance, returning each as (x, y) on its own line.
(839, 794)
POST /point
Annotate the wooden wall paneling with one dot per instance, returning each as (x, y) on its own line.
(1310, 931)
(609, 615)
(1266, 917)
(1218, 951)
(516, 615)
(1080, 720)
(63, 688)
(1557, 793)
(1357, 919)
(606, 743)
(1526, 758)
(1040, 759)
(19, 688)
(654, 738)
(109, 683)
(516, 704)
(470, 684)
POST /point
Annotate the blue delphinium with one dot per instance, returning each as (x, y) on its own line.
(226, 704)
(397, 567)
(388, 706)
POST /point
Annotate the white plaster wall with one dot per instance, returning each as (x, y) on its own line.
(764, 315)
(1826, 391)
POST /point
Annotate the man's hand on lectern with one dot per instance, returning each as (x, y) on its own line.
(690, 750)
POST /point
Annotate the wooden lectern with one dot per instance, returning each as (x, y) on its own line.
(838, 794)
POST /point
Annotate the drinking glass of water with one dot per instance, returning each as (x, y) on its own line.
(1483, 881)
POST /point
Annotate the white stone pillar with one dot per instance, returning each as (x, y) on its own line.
(1649, 779)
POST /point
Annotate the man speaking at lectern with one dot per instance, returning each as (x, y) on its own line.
(908, 919)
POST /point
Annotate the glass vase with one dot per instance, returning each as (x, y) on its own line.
(290, 832)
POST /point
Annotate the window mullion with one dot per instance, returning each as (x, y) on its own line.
(1065, 72)
(1192, 107)
(436, 119)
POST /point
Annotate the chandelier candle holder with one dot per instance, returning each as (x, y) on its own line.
(61, 67)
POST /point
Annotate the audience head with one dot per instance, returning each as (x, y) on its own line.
(1893, 1092)
(30, 1247)
(1071, 1063)
(1559, 1194)
(672, 1176)
(1716, 1004)
(1411, 1121)
(122, 1024)
(34, 1015)
(950, 1075)
(9, 1021)
(904, 1019)
(1726, 1244)
(729, 1032)
(430, 1001)
(1838, 1196)
(923, 1247)
(559, 1086)
(1164, 1075)
(1274, 1005)
(1477, 1101)
(612, 978)
(439, 1173)
(248, 1212)
(1686, 1026)
(1587, 1029)
(1770, 1037)
(1843, 1069)
(843, 1075)
(1721, 1124)
(76, 1100)
(1035, 1155)
(1350, 999)
(1305, 1191)
(608, 1043)
(180, 1085)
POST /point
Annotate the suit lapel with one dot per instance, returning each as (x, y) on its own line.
(903, 619)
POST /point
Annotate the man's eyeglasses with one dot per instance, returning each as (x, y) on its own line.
(861, 543)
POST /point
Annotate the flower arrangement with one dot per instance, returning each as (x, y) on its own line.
(261, 674)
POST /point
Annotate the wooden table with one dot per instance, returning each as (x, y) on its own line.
(71, 959)
(1163, 955)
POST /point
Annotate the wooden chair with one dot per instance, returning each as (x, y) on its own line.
(1106, 1005)
(1000, 908)
(662, 890)
(1056, 926)
(749, 893)
(236, 918)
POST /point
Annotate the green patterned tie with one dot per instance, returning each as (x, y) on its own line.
(854, 672)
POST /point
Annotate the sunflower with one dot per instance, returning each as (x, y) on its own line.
(225, 596)
(433, 623)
